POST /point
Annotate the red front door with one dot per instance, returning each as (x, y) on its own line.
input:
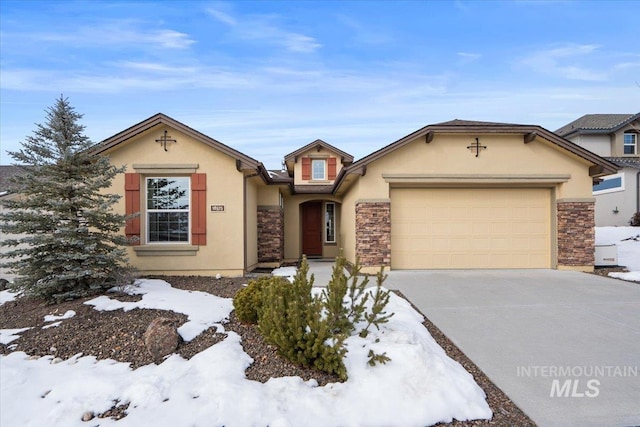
(311, 213)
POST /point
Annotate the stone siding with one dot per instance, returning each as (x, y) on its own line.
(270, 234)
(373, 233)
(576, 234)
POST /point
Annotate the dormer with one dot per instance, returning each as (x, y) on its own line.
(316, 164)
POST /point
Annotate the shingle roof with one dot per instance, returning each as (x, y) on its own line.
(596, 123)
(625, 162)
(346, 157)
(466, 123)
(279, 176)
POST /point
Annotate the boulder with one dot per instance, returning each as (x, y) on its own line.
(88, 416)
(4, 284)
(161, 338)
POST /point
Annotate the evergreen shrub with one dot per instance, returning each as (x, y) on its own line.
(248, 300)
(311, 329)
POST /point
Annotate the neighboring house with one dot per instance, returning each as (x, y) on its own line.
(453, 195)
(616, 137)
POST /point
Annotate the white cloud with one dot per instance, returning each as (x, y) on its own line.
(156, 67)
(565, 61)
(223, 17)
(467, 57)
(265, 28)
(300, 43)
(169, 39)
(115, 81)
(364, 34)
(627, 65)
(109, 33)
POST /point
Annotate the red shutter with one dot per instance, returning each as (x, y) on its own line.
(331, 163)
(199, 209)
(132, 206)
(306, 169)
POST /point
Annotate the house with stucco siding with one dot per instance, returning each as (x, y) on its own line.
(452, 195)
(616, 137)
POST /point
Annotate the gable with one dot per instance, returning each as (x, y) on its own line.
(152, 132)
(316, 166)
(522, 134)
(148, 148)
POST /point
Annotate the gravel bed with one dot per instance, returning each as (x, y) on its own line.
(118, 335)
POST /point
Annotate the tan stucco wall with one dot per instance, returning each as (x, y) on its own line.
(505, 155)
(224, 252)
(251, 234)
(268, 195)
(292, 224)
(448, 155)
(348, 223)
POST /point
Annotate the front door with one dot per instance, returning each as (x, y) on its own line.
(311, 213)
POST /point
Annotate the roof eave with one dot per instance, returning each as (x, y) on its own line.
(245, 162)
(531, 130)
(292, 157)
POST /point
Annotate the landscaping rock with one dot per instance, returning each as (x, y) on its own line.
(161, 338)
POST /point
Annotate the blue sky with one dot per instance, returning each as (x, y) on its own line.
(268, 77)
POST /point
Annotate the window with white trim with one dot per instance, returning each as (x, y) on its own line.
(330, 222)
(630, 143)
(167, 203)
(609, 184)
(318, 169)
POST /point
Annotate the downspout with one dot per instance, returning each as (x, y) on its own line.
(244, 215)
(244, 222)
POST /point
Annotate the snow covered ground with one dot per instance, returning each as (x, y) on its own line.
(627, 240)
(420, 386)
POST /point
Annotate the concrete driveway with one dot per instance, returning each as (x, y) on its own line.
(564, 346)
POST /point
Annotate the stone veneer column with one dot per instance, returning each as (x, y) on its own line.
(373, 233)
(576, 234)
(270, 234)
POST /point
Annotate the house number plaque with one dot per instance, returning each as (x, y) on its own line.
(217, 208)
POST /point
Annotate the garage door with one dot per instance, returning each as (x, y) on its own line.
(470, 228)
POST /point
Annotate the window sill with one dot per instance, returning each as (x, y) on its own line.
(166, 250)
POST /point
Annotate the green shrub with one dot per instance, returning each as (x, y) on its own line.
(311, 330)
(291, 319)
(248, 301)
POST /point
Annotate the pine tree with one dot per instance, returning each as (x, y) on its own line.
(71, 245)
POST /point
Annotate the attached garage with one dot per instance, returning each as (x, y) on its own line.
(472, 195)
(452, 228)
